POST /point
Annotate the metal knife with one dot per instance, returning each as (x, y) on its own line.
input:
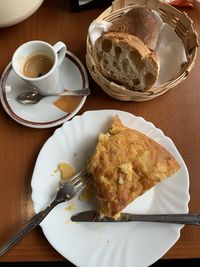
(93, 216)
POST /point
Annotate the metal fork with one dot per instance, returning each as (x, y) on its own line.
(66, 191)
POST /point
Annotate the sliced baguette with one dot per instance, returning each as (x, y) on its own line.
(125, 59)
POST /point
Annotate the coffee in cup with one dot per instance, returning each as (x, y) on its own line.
(38, 62)
(37, 66)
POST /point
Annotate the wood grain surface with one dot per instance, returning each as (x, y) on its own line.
(177, 113)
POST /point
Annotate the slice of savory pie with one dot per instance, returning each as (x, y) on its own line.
(125, 165)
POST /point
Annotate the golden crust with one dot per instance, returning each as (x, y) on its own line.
(141, 22)
(125, 165)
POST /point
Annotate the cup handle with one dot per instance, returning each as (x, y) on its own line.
(60, 48)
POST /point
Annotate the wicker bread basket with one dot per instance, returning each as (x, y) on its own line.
(182, 25)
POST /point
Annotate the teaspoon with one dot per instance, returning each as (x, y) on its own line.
(33, 97)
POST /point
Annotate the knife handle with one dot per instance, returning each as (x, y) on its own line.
(192, 219)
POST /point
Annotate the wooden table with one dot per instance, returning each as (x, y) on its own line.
(177, 113)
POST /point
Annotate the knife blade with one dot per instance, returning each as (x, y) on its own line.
(94, 216)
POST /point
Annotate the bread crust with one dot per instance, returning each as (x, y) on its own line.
(125, 59)
(141, 22)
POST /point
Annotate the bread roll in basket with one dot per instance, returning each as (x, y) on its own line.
(181, 24)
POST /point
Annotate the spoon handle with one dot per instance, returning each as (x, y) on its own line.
(85, 91)
(30, 225)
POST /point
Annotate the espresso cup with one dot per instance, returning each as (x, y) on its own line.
(37, 62)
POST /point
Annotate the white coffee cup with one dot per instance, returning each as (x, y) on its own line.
(50, 81)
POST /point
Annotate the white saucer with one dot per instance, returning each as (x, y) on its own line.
(43, 114)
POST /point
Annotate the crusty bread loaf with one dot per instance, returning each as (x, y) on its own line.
(141, 22)
(125, 59)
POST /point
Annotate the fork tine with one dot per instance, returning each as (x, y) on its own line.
(76, 176)
(79, 179)
(82, 183)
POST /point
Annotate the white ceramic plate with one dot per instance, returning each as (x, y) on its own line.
(43, 114)
(106, 244)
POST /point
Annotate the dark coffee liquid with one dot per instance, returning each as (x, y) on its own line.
(37, 66)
